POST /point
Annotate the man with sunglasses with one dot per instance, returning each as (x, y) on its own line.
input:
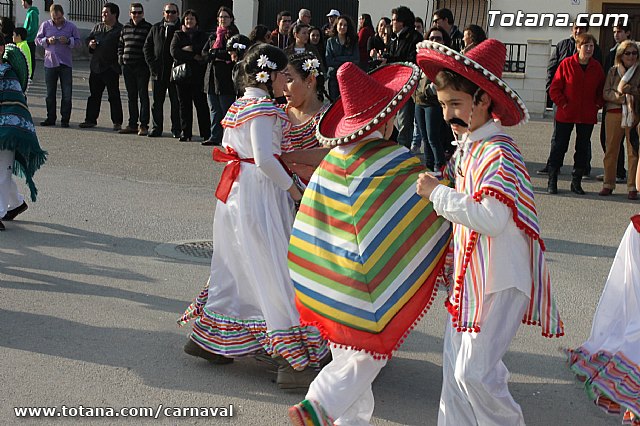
(444, 18)
(135, 70)
(159, 60)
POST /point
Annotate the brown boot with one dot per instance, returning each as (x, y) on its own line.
(288, 378)
(193, 349)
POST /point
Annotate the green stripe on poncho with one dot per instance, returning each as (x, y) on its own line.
(17, 132)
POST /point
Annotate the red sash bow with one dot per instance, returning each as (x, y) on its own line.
(231, 171)
(636, 222)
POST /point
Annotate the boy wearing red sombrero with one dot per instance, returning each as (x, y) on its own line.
(500, 277)
(365, 248)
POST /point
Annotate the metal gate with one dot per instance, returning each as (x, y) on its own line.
(268, 10)
(465, 12)
(86, 10)
(6, 9)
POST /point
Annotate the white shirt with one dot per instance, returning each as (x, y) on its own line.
(509, 262)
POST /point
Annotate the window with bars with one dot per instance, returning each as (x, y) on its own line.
(465, 12)
(6, 8)
(85, 10)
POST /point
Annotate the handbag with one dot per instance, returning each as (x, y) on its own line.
(180, 73)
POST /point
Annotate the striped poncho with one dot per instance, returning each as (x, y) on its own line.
(17, 132)
(365, 248)
(494, 167)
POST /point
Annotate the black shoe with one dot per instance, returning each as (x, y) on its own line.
(552, 184)
(193, 349)
(211, 142)
(154, 134)
(2, 228)
(621, 179)
(544, 171)
(11, 214)
(175, 134)
(47, 123)
(576, 186)
(185, 138)
(64, 124)
(87, 125)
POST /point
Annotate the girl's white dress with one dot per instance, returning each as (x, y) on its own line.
(249, 303)
(609, 361)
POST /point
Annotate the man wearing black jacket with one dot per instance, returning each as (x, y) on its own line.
(105, 70)
(402, 48)
(564, 49)
(159, 60)
(135, 70)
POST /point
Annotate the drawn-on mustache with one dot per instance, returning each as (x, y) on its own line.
(457, 121)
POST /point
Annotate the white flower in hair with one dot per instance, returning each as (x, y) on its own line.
(239, 46)
(262, 77)
(272, 65)
(262, 61)
(311, 66)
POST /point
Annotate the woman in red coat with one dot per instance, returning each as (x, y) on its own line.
(365, 32)
(577, 91)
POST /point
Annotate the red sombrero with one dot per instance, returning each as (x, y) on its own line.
(366, 101)
(483, 66)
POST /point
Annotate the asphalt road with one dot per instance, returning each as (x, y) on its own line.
(88, 308)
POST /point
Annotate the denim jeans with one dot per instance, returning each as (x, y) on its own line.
(136, 80)
(430, 124)
(51, 76)
(218, 106)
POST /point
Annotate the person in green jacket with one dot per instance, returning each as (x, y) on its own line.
(31, 24)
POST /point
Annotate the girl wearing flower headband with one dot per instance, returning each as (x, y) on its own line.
(305, 101)
(248, 306)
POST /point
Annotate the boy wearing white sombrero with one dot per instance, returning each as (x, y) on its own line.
(500, 277)
(365, 248)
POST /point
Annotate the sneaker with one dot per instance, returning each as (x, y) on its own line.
(86, 125)
(118, 127)
(309, 412)
(415, 149)
(143, 131)
(586, 176)
(126, 130)
(289, 378)
(193, 349)
(11, 214)
(600, 178)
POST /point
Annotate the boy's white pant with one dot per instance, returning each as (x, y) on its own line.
(343, 387)
(10, 198)
(474, 386)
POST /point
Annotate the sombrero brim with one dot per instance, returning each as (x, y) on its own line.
(507, 106)
(335, 129)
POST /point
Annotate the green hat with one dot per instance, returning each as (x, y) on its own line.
(14, 57)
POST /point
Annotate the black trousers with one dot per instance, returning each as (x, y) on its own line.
(561, 145)
(189, 96)
(97, 84)
(159, 92)
(136, 81)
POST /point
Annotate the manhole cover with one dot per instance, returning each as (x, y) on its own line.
(190, 251)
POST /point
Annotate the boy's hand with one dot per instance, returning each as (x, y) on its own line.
(426, 184)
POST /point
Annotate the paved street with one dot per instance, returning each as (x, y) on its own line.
(88, 308)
